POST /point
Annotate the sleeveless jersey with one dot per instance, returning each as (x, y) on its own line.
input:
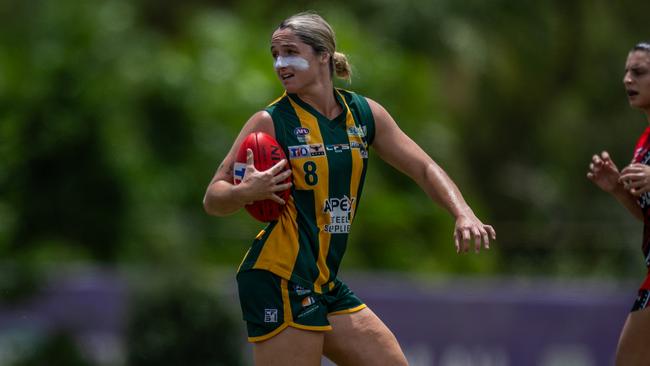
(328, 159)
(642, 155)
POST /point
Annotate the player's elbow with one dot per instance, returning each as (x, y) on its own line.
(208, 207)
(212, 207)
(426, 173)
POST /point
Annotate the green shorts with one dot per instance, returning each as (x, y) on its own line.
(270, 303)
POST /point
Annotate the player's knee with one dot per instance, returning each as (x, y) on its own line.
(388, 350)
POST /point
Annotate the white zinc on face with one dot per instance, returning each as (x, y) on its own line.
(296, 62)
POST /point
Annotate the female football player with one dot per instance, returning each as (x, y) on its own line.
(295, 307)
(631, 187)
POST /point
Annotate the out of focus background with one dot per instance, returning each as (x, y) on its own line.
(115, 114)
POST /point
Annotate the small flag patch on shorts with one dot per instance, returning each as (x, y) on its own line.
(307, 301)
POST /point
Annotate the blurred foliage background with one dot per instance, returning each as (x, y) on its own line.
(115, 114)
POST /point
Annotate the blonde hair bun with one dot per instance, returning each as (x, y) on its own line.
(342, 67)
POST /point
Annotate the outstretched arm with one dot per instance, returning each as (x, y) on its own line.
(397, 149)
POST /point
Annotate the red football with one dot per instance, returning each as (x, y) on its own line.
(266, 153)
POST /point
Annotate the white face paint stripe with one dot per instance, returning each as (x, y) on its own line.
(297, 62)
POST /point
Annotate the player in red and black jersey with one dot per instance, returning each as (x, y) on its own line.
(631, 187)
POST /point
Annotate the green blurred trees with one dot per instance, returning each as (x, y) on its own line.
(59, 348)
(114, 115)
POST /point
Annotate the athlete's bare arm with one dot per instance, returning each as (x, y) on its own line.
(400, 151)
(222, 197)
(604, 173)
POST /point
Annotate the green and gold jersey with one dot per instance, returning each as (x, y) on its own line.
(328, 159)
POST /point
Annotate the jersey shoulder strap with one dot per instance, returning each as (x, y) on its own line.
(283, 116)
(362, 113)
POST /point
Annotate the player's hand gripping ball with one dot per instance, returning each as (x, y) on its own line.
(266, 153)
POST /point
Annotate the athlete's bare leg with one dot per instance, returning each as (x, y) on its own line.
(290, 347)
(633, 347)
(361, 338)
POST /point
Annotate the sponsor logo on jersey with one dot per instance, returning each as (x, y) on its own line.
(239, 169)
(340, 211)
(357, 131)
(298, 151)
(646, 157)
(305, 151)
(302, 133)
(301, 290)
(644, 199)
(343, 204)
(270, 315)
(316, 150)
(638, 153)
(363, 151)
(337, 148)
